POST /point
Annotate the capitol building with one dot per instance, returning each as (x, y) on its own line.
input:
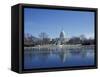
(62, 38)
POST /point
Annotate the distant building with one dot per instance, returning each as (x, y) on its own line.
(62, 39)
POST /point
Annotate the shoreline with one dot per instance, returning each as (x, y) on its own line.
(78, 46)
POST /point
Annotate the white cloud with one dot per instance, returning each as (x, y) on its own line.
(89, 35)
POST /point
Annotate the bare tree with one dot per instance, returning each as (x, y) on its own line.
(44, 39)
(43, 35)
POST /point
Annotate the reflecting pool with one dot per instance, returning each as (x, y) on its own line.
(59, 57)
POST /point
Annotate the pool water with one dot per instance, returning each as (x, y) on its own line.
(43, 58)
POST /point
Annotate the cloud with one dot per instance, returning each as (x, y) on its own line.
(89, 35)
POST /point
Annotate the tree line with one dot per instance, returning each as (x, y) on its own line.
(44, 39)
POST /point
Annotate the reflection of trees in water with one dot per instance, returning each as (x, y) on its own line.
(63, 53)
(43, 56)
(79, 52)
(40, 54)
(29, 53)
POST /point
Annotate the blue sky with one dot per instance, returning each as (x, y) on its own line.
(74, 23)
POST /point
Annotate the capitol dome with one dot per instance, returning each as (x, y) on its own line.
(62, 37)
(62, 34)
